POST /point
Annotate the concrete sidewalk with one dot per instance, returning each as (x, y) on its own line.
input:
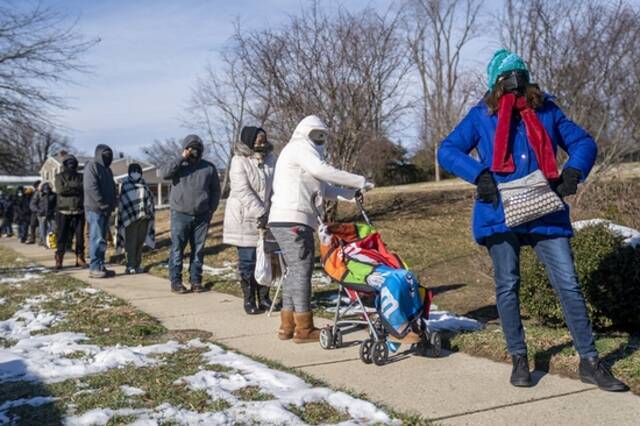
(455, 389)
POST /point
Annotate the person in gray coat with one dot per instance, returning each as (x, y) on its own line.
(99, 202)
(195, 194)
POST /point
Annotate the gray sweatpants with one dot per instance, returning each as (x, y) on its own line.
(297, 245)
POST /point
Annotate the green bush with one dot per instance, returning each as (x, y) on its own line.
(609, 274)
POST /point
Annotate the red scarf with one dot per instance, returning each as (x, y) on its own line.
(536, 135)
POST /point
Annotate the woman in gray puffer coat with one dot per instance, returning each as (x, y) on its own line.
(247, 210)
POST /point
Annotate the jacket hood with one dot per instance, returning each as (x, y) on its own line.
(45, 186)
(192, 141)
(309, 123)
(249, 134)
(67, 159)
(99, 154)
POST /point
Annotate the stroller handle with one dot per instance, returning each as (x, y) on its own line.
(359, 199)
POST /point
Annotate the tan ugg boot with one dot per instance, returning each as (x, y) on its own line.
(305, 332)
(286, 325)
(409, 339)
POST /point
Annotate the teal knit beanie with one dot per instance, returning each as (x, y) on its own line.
(503, 61)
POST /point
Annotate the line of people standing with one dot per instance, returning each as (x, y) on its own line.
(84, 196)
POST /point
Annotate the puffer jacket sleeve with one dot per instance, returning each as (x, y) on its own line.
(454, 150)
(577, 142)
(311, 161)
(242, 190)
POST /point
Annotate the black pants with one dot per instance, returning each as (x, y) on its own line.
(67, 225)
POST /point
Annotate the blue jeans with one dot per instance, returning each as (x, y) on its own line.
(186, 228)
(246, 261)
(557, 258)
(98, 223)
(23, 229)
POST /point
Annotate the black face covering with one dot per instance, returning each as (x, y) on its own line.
(107, 157)
(71, 165)
(515, 81)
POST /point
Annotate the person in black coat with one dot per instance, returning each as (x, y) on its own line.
(43, 204)
(33, 218)
(69, 211)
(7, 216)
(22, 212)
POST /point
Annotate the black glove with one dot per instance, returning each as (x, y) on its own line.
(568, 182)
(263, 220)
(486, 188)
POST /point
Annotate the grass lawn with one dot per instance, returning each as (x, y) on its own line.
(430, 229)
(72, 353)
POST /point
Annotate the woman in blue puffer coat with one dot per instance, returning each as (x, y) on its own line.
(516, 130)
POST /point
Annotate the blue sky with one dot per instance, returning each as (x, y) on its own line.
(148, 59)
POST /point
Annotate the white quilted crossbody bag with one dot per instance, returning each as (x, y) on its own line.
(528, 198)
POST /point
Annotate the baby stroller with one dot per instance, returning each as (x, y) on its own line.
(354, 256)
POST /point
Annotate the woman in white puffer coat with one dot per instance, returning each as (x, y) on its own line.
(247, 209)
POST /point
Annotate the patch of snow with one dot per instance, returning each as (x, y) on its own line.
(42, 357)
(227, 271)
(25, 274)
(3, 301)
(90, 290)
(444, 320)
(631, 236)
(131, 391)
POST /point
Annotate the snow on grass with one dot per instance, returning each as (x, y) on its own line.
(3, 301)
(42, 357)
(631, 236)
(286, 389)
(54, 358)
(25, 274)
(444, 320)
(90, 290)
(131, 391)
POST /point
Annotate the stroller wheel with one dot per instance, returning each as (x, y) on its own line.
(337, 338)
(422, 347)
(436, 344)
(366, 349)
(326, 338)
(380, 353)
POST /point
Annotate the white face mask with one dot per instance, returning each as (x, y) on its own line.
(135, 176)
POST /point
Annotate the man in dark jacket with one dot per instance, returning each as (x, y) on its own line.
(70, 210)
(22, 213)
(6, 226)
(99, 203)
(195, 194)
(43, 204)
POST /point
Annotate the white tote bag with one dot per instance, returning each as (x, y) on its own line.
(263, 273)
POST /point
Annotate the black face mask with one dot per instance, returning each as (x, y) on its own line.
(107, 158)
(515, 82)
(194, 153)
(71, 165)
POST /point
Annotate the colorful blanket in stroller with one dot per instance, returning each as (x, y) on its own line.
(355, 255)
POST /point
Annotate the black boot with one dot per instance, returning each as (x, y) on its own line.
(249, 295)
(520, 375)
(593, 371)
(264, 301)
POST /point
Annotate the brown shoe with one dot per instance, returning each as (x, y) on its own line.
(304, 331)
(285, 332)
(80, 262)
(58, 262)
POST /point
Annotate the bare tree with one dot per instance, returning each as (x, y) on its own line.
(25, 148)
(38, 51)
(585, 53)
(348, 68)
(159, 151)
(437, 31)
(220, 107)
